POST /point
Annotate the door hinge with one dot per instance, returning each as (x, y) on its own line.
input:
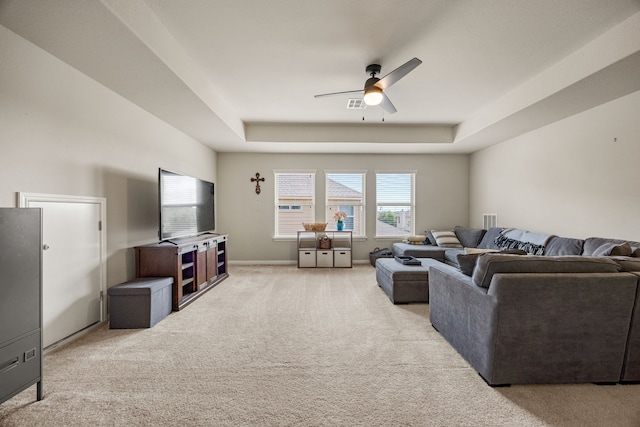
(101, 296)
(99, 225)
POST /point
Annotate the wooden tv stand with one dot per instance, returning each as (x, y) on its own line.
(196, 264)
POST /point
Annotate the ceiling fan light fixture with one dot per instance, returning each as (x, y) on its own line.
(373, 95)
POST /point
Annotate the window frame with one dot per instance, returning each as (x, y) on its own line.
(299, 204)
(362, 204)
(411, 205)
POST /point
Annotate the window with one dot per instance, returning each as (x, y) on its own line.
(395, 205)
(295, 202)
(345, 193)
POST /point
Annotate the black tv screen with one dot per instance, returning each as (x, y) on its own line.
(187, 206)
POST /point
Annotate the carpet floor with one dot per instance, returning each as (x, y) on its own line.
(281, 346)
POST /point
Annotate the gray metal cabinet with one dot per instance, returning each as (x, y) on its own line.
(20, 301)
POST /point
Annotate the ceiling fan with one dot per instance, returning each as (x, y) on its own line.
(374, 87)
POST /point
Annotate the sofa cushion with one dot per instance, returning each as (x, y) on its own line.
(451, 256)
(592, 244)
(489, 239)
(563, 246)
(627, 263)
(467, 261)
(490, 263)
(446, 239)
(469, 237)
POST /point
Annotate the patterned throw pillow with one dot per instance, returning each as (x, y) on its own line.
(446, 239)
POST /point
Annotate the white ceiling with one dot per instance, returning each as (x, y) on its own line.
(241, 75)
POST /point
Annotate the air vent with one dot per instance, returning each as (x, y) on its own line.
(489, 221)
(356, 104)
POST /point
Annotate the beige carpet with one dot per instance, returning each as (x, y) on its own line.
(281, 346)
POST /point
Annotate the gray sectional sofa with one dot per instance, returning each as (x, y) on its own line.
(569, 314)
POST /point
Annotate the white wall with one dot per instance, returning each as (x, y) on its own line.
(569, 178)
(442, 196)
(63, 133)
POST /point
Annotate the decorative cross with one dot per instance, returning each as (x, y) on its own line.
(257, 180)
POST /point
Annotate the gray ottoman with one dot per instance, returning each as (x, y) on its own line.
(404, 283)
(139, 303)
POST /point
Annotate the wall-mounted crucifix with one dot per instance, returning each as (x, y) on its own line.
(257, 180)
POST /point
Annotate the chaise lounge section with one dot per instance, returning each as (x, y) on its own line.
(532, 319)
(569, 314)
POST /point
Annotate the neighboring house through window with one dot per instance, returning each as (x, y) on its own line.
(295, 201)
(395, 204)
(345, 193)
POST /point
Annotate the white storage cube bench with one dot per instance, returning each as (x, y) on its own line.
(140, 303)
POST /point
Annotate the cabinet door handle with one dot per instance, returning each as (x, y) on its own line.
(9, 365)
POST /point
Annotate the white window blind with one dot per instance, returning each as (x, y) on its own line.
(345, 193)
(395, 206)
(295, 201)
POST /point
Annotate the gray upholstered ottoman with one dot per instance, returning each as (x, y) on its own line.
(404, 283)
(139, 303)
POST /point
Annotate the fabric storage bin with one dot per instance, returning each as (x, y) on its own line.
(140, 303)
(379, 253)
(342, 258)
(306, 259)
(324, 259)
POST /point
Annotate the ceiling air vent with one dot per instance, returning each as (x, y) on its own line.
(356, 104)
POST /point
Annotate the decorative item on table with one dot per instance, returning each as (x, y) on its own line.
(314, 226)
(324, 242)
(408, 260)
(340, 217)
(415, 240)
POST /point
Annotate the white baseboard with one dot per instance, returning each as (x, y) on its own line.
(280, 262)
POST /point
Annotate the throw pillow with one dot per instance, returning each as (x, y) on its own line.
(488, 241)
(446, 239)
(430, 238)
(469, 237)
(622, 250)
(613, 249)
(636, 253)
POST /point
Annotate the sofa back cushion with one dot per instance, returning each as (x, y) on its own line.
(627, 263)
(488, 240)
(469, 237)
(563, 246)
(599, 245)
(467, 261)
(489, 264)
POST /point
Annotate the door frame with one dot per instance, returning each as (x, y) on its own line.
(24, 199)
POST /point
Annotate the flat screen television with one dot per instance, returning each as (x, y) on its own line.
(187, 205)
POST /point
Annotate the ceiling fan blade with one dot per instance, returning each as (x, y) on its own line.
(338, 93)
(387, 105)
(398, 73)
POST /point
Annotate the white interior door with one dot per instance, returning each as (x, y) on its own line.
(72, 263)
